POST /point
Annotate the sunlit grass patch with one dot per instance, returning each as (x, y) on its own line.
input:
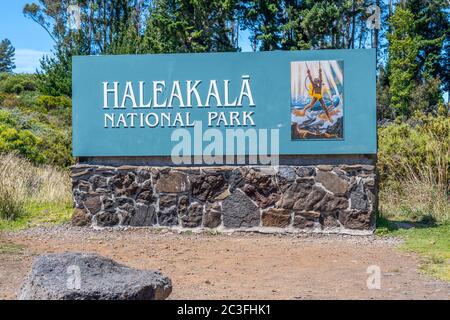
(37, 214)
(32, 195)
(430, 241)
(10, 248)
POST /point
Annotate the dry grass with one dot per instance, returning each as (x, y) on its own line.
(416, 199)
(22, 183)
(423, 191)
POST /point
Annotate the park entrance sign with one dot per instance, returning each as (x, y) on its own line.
(130, 105)
(187, 140)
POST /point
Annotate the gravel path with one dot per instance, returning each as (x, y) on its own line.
(236, 266)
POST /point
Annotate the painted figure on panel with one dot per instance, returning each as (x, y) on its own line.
(317, 100)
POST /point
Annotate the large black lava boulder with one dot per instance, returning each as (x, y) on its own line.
(82, 276)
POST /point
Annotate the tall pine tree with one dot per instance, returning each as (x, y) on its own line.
(190, 26)
(7, 53)
(404, 47)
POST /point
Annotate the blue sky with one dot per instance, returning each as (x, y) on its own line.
(32, 42)
(29, 39)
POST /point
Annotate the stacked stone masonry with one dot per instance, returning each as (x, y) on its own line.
(316, 198)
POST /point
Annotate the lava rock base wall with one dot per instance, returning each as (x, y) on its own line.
(319, 198)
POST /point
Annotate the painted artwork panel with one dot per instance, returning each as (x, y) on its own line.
(317, 100)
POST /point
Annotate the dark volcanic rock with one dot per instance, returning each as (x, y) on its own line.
(98, 182)
(358, 198)
(307, 203)
(93, 204)
(329, 220)
(213, 215)
(144, 215)
(183, 204)
(83, 185)
(341, 196)
(305, 172)
(331, 203)
(167, 200)
(80, 276)
(107, 219)
(124, 184)
(261, 188)
(356, 220)
(146, 197)
(240, 211)
(299, 189)
(286, 174)
(235, 179)
(193, 216)
(207, 187)
(302, 222)
(168, 217)
(109, 204)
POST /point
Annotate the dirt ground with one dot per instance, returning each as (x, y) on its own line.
(236, 266)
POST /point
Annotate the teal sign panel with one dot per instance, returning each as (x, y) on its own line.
(304, 102)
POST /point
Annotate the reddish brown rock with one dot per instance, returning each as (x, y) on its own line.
(332, 182)
(172, 182)
(276, 218)
(302, 223)
(93, 204)
(80, 218)
(329, 220)
(356, 219)
(261, 188)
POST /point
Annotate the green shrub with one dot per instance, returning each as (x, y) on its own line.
(414, 167)
(24, 142)
(57, 149)
(17, 83)
(50, 102)
(55, 79)
(27, 100)
(42, 138)
(34, 125)
(6, 118)
(8, 100)
(415, 147)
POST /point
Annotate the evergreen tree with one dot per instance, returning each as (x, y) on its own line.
(445, 65)
(416, 59)
(431, 22)
(101, 22)
(404, 47)
(190, 26)
(105, 26)
(264, 19)
(56, 74)
(7, 52)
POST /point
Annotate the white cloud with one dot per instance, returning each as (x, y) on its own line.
(27, 60)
